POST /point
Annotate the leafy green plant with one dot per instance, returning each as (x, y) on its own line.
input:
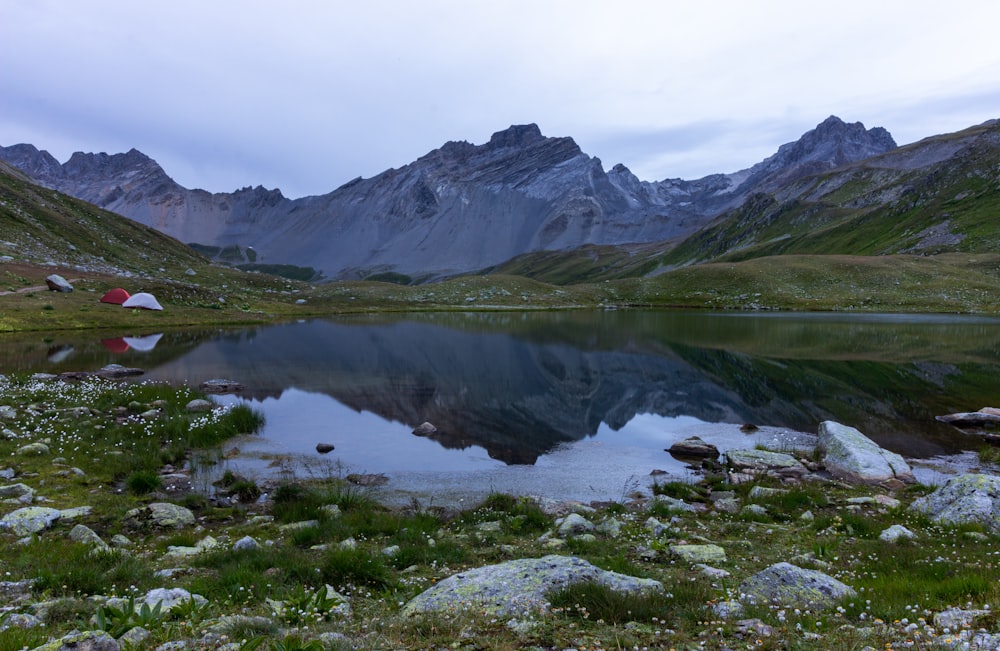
(191, 612)
(303, 605)
(118, 621)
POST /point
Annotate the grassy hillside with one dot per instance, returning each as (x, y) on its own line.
(890, 204)
(44, 232)
(760, 257)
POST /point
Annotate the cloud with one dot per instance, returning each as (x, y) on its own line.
(307, 95)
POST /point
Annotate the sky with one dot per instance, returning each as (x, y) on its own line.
(306, 95)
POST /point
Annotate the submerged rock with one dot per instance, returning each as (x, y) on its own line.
(519, 586)
(220, 385)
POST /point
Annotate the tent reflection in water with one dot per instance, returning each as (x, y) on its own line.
(142, 300)
(143, 344)
(115, 296)
(116, 345)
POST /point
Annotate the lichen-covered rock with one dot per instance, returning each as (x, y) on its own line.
(672, 503)
(85, 641)
(763, 461)
(87, 536)
(852, 456)
(970, 498)
(574, 524)
(699, 553)
(30, 519)
(20, 620)
(896, 533)
(17, 491)
(159, 515)
(520, 586)
(793, 586)
(167, 598)
(33, 450)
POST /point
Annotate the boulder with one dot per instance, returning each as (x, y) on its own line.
(693, 448)
(159, 515)
(852, 456)
(520, 586)
(17, 491)
(970, 498)
(324, 448)
(789, 585)
(699, 554)
(765, 461)
(672, 503)
(170, 597)
(57, 283)
(87, 536)
(30, 519)
(85, 641)
(199, 405)
(33, 450)
(896, 533)
(985, 417)
(246, 543)
(574, 524)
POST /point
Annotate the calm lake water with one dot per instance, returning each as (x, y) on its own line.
(568, 404)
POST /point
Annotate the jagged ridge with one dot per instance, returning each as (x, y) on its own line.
(459, 208)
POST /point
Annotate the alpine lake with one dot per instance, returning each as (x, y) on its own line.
(569, 405)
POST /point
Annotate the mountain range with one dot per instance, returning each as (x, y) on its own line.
(464, 207)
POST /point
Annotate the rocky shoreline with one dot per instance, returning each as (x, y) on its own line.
(490, 576)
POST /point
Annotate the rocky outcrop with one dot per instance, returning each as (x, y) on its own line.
(970, 498)
(459, 208)
(850, 455)
(519, 587)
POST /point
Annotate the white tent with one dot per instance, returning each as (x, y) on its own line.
(143, 300)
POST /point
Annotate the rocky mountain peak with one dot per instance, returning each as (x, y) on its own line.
(39, 165)
(831, 144)
(112, 165)
(835, 142)
(518, 135)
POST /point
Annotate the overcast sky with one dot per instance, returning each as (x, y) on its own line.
(306, 95)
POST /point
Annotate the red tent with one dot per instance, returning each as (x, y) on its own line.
(116, 296)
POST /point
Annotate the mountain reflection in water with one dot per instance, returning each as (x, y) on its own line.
(519, 385)
(507, 389)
